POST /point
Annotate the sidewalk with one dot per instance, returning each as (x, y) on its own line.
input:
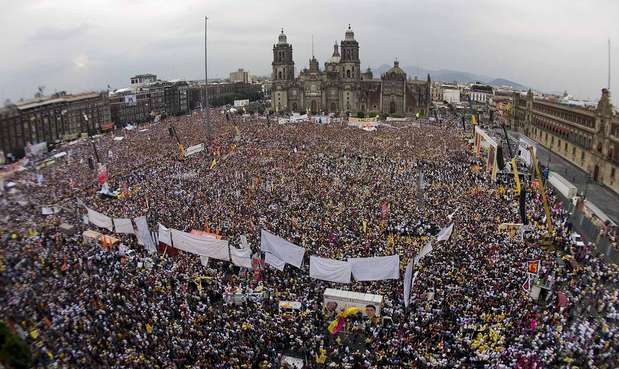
(605, 199)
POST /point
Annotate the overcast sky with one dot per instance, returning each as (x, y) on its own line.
(551, 45)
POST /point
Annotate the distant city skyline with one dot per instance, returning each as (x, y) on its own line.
(87, 45)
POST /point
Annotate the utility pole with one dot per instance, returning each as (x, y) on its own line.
(609, 64)
(206, 120)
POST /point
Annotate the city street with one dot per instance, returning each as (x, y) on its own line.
(602, 197)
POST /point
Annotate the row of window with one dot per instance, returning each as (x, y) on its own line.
(565, 115)
(559, 130)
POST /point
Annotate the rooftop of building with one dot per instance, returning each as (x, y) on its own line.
(145, 75)
(59, 97)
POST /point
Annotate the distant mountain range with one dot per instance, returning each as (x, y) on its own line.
(447, 75)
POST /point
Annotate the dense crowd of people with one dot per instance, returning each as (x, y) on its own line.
(338, 192)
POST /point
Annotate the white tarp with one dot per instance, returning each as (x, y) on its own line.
(274, 261)
(200, 245)
(164, 235)
(123, 225)
(445, 233)
(100, 220)
(330, 270)
(376, 268)
(423, 252)
(241, 257)
(143, 234)
(408, 278)
(282, 249)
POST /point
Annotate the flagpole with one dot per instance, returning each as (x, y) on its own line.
(206, 120)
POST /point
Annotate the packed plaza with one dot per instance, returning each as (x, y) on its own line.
(334, 190)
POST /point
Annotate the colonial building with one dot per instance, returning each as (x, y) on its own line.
(588, 138)
(52, 119)
(147, 98)
(341, 87)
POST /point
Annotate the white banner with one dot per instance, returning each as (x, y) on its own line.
(200, 245)
(164, 235)
(123, 225)
(50, 210)
(100, 220)
(423, 252)
(204, 260)
(244, 244)
(143, 235)
(194, 149)
(408, 279)
(445, 233)
(376, 268)
(241, 257)
(330, 270)
(282, 249)
(274, 261)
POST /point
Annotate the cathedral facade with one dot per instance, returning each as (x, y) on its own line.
(341, 87)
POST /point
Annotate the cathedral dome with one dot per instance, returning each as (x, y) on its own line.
(350, 35)
(282, 38)
(395, 73)
(396, 69)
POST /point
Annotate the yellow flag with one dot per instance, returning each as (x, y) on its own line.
(149, 328)
(365, 226)
(213, 163)
(473, 120)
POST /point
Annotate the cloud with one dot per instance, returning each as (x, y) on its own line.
(532, 42)
(52, 33)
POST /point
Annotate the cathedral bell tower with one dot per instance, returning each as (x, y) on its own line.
(349, 60)
(283, 65)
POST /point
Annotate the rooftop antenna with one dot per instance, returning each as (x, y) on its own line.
(312, 46)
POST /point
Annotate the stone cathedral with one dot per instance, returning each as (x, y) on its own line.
(341, 87)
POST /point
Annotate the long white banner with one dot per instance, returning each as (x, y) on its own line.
(408, 279)
(194, 149)
(200, 245)
(241, 257)
(445, 233)
(274, 261)
(423, 252)
(164, 235)
(376, 268)
(282, 249)
(330, 270)
(123, 225)
(100, 220)
(143, 234)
